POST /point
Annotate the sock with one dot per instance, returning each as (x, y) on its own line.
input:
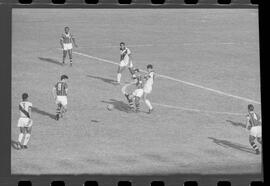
(27, 138)
(71, 60)
(147, 102)
(58, 109)
(254, 146)
(20, 137)
(119, 77)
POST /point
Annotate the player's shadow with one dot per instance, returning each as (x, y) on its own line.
(106, 80)
(42, 112)
(50, 60)
(236, 124)
(226, 144)
(15, 145)
(118, 105)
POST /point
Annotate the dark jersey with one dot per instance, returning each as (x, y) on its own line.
(61, 88)
(254, 119)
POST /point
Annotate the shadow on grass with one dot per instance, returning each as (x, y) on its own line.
(50, 60)
(226, 144)
(42, 112)
(106, 80)
(118, 105)
(236, 124)
(15, 145)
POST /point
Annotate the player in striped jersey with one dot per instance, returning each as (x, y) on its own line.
(66, 41)
(254, 126)
(125, 61)
(25, 122)
(60, 95)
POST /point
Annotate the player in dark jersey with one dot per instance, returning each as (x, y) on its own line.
(254, 126)
(60, 95)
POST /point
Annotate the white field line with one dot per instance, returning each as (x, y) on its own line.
(177, 80)
(184, 108)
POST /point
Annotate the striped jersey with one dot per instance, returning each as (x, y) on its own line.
(61, 88)
(254, 119)
(25, 105)
(123, 53)
(66, 38)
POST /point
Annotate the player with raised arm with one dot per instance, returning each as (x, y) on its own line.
(125, 61)
(67, 41)
(25, 122)
(253, 124)
(60, 96)
(147, 88)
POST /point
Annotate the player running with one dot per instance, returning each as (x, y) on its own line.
(135, 96)
(66, 41)
(25, 122)
(125, 61)
(60, 96)
(147, 89)
(254, 126)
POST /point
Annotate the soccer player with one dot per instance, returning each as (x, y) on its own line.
(147, 88)
(66, 41)
(125, 61)
(135, 96)
(25, 122)
(60, 96)
(254, 126)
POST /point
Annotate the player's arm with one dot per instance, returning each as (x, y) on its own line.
(54, 92)
(248, 125)
(61, 42)
(74, 42)
(30, 111)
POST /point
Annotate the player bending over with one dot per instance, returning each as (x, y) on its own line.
(66, 41)
(125, 61)
(254, 126)
(135, 96)
(25, 122)
(147, 88)
(60, 96)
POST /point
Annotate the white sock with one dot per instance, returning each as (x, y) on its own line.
(27, 138)
(119, 77)
(20, 137)
(147, 102)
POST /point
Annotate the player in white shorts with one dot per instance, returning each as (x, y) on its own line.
(147, 88)
(254, 126)
(60, 95)
(66, 41)
(134, 97)
(25, 122)
(125, 61)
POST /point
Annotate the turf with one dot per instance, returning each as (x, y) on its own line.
(214, 48)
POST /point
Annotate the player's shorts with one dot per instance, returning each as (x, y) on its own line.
(138, 93)
(126, 63)
(25, 122)
(256, 131)
(67, 46)
(62, 100)
(147, 89)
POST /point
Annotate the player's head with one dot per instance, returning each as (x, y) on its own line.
(24, 96)
(64, 77)
(122, 45)
(66, 29)
(149, 67)
(250, 107)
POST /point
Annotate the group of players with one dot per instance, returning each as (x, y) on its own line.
(143, 82)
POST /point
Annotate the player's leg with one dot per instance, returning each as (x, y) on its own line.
(253, 144)
(58, 111)
(259, 140)
(119, 73)
(27, 136)
(64, 55)
(20, 138)
(70, 56)
(137, 103)
(147, 102)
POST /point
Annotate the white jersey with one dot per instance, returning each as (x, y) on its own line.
(26, 105)
(124, 54)
(150, 79)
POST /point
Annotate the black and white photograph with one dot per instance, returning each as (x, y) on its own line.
(135, 91)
